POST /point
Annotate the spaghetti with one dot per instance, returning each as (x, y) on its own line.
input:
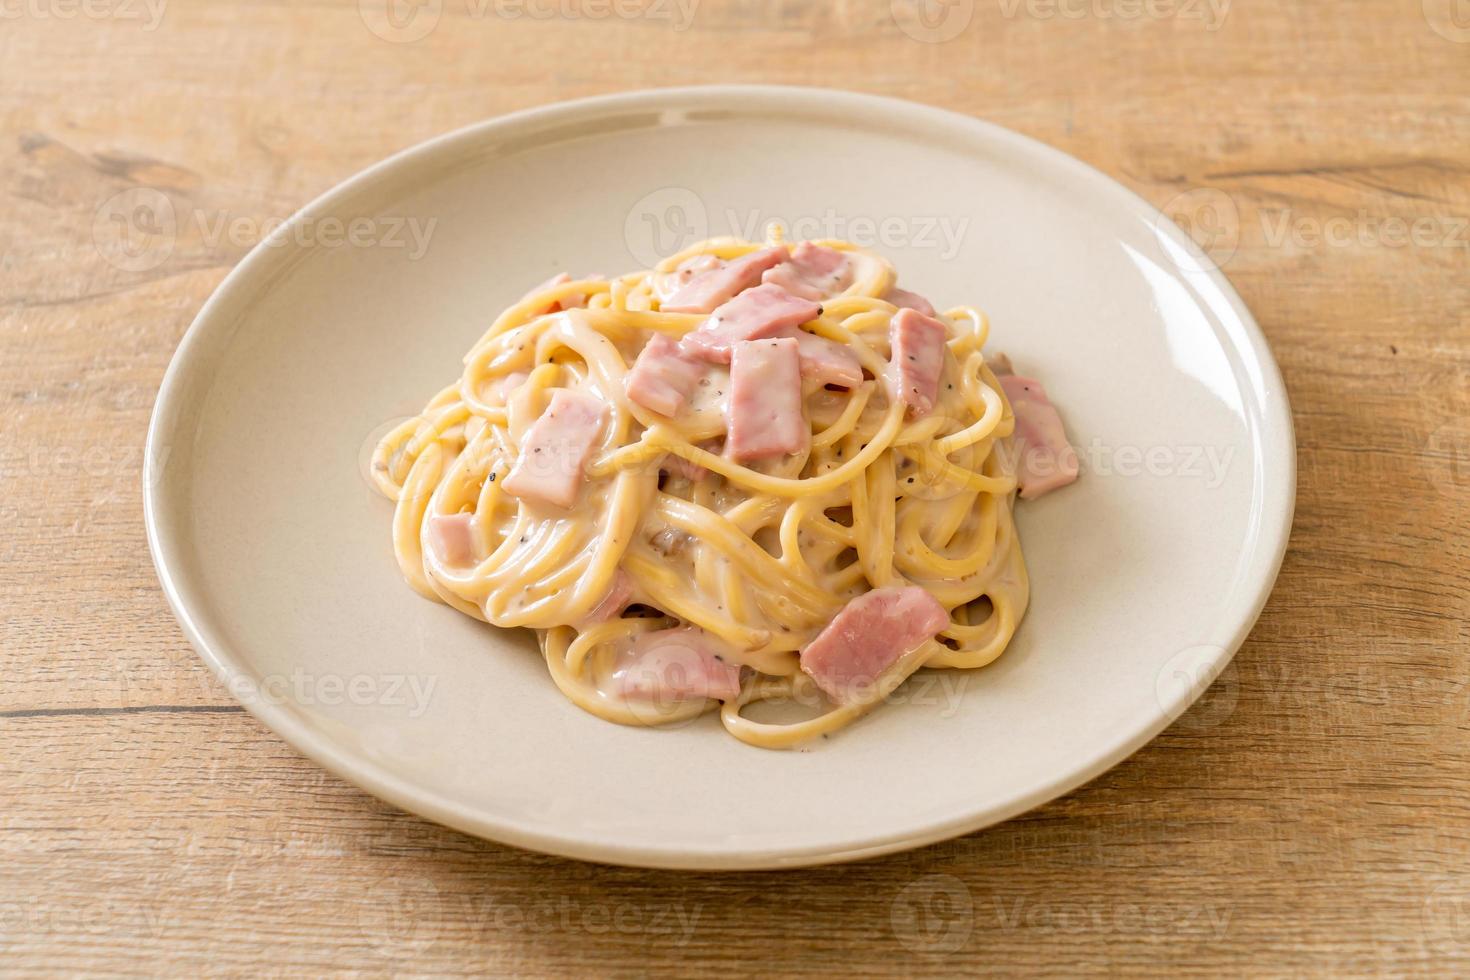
(758, 556)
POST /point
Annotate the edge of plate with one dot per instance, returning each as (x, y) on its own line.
(163, 544)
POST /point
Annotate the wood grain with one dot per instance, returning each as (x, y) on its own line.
(1311, 815)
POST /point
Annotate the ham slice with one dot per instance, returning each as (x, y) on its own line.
(905, 300)
(667, 284)
(452, 538)
(869, 636)
(614, 602)
(709, 290)
(556, 448)
(917, 359)
(770, 311)
(764, 311)
(826, 361)
(1045, 460)
(814, 272)
(662, 378)
(676, 665)
(765, 412)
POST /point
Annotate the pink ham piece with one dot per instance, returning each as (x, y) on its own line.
(765, 412)
(918, 358)
(765, 311)
(814, 272)
(707, 291)
(667, 284)
(614, 602)
(905, 300)
(662, 378)
(676, 665)
(556, 448)
(869, 636)
(826, 361)
(1045, 460)
(452, 538)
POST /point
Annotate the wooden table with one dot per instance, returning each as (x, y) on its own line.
(1311, 815)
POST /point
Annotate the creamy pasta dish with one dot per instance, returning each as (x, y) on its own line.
(758, 479)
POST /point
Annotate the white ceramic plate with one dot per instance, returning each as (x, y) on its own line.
(1146, 575)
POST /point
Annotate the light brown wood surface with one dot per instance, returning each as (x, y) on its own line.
(1310, 816)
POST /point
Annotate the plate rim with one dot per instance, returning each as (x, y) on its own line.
(1278, 435)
